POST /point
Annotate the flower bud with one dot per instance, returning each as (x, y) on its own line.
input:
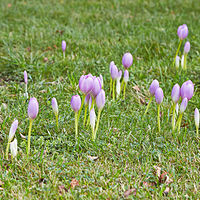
(187, 90)
(13, 129)
(33, 108)
(92, 118)
(63, 45)
(54, 105)
(101, 80)
(183, 105)
(111, 64)
(96, 87)
(100, 100)
(126, 76)
(25, 77)
(177, 61)
(187, 47)
(13, 148)
(159, 95)
(153, 87)
(196, 117)
(76, 103)
(127, 60)
(114, 72)
(176, 92)
(182, 31)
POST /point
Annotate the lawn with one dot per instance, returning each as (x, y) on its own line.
(127, 148)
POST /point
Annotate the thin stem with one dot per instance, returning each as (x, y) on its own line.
(93, 136)
(158, 117)
(173, 116)
(63, 54)
(179, 46)
(29, 137)
(76, 125)
(85, 115)
(178, 124)
(113, 89)
(185, 61)
(82, 103)
(124, 90)
(150, 100)
(92, 105)
(110, 85)
(56, 120)
(197, 131)
(97, 126)
(7, 149)
(122, 84)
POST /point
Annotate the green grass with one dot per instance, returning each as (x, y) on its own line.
(96, 33)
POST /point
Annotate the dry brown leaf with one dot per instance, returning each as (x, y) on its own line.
(163, 177)
(136, 88)
(142, 101)
(74, 183)
(166, 191)
(43, 91)
(130, 192)
(62, 189)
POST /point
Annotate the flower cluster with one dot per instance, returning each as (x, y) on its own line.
(93, 94)
(182, 33)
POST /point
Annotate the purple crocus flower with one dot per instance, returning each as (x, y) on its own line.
(182, 31)
(183, 105)
(54, 105)
(196, 117)
(153, 87)
(187, 47)
(126, 76)
(13, 129)
(111, 64)
(159, 95)
(176, 93)
(86, 84)
(76, 103)
(33, 108)
(25, 77)
(127, 60)
(63, 45)
(96, 87)
(187, 90)
(100, 100)
(114, 72)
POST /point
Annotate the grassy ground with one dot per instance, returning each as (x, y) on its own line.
(127, 148)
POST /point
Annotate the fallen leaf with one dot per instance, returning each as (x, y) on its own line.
(28, 49)
(9, 5)
(93, 158)
(55, 46)
(157, 171)
(163, 177)
(43, 91)
(129, 192)
(45, 59)
(74, 183)
(136, 88)
(142, 101)
(166, 191)
(62, 189)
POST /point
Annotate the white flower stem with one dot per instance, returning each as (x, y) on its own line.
(29, 137)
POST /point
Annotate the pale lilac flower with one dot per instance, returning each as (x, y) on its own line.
(100, 100)
(76, 103)
(54, 105)
(176, 92)
(25, 77)
(159, 95)
(96, 87)
(127, 60)
(182, 31)
(153, 87)
(187, 47)
(114, 72)
(86, 83)
(183, 105)
(13, 129)
(196, 117)
(13, 148)
(63, 45)
(33, 108)
(187, 90)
